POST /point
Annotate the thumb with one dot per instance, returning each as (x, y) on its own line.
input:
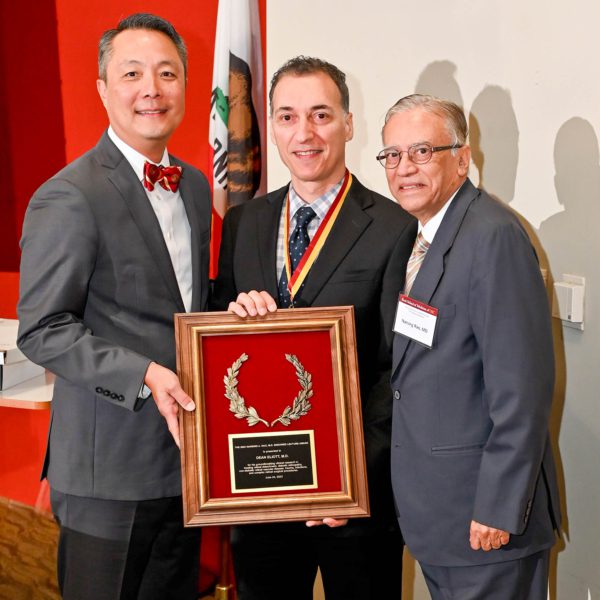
(183, 399)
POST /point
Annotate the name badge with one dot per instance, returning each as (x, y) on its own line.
(415, 320)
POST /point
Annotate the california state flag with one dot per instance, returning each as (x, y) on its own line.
(236, 132)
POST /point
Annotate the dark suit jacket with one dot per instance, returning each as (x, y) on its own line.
(470, 426)
(98, 293)
(362, 263)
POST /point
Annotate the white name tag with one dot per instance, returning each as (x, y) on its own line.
(415, 320)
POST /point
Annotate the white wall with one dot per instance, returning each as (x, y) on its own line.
(529, 73)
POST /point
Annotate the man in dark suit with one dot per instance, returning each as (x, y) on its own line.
(112, 247)
(361, 262)
(472, 374)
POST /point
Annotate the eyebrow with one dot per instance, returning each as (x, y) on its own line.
(315, 107)
(133, 61)
(396, 146)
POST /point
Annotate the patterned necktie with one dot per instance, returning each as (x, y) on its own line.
(415, 261)
(167, 177)
(299, 242)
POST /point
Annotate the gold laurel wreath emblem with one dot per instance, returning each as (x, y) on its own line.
(237, 404)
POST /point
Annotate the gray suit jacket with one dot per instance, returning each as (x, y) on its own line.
(97, 298)
(470, 417)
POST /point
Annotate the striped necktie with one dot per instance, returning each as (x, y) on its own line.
(414, 262)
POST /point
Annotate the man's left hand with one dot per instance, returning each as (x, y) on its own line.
(487, 538)
(329, 521)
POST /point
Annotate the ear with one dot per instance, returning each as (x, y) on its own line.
(349, 127)
(101, 87)
(464, 160)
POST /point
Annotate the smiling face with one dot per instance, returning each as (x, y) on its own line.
(422, 190)
(310, 129)
(144, 91)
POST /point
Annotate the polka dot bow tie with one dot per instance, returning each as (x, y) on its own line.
(167, 177)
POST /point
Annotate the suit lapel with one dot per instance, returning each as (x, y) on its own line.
(131, 190)
(267, 226)
(187, 195)
(432, 269)
(348, 227)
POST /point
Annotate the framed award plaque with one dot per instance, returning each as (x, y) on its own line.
(277, 431)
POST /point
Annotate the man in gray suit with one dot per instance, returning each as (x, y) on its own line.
(472, 373)
(112, 247)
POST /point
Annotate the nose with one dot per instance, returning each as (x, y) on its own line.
(304, 132)
(405, 166)
(151, 85)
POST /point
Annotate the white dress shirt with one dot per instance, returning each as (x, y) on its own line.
(172, 218)
(430, 228)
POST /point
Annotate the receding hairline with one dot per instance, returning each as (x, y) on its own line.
(451, 114)
(315, 106)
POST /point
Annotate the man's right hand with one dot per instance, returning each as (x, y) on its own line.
(168, 395)
(252, 303)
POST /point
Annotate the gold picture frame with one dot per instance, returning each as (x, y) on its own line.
(239, 463)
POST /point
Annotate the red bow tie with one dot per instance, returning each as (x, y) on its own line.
(167, 177)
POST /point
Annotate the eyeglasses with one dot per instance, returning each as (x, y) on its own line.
(419, 154)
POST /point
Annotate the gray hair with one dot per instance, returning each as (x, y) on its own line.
(453, 115)
(139, 21)
(307, 65)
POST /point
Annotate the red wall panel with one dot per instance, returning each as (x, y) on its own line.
(50, 113)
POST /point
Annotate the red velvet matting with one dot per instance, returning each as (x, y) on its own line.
(267, 382)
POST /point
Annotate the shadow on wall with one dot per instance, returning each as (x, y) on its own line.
(356, 150)
(439, 79)
(573, 247)
(494, 139)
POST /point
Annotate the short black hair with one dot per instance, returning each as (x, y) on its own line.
(139, 21)
(307, 65)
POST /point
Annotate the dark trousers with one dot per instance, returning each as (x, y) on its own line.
(125, 550)
(523, 579)
(273, 562)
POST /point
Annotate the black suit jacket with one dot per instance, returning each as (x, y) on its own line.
(97, 298)
(363, 264)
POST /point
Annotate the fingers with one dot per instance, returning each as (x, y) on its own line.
(252, 303)
(168, 395)
(173, 426)
(329, 521)
(482, 537)
(182, 398)
(238, 309)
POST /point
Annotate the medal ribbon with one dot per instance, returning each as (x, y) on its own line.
(296, 279)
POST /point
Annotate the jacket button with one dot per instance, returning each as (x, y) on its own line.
(99, 390)
(106, 393)
(114, 396)
(121, 398)
(396, 395)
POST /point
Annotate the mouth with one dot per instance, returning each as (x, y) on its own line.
(306, 153)
(408, 187)
(151, 112)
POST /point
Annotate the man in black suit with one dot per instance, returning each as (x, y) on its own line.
(360, 262)
(110, 252)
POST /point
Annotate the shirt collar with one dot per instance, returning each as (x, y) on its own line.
(134, 158)
(430, 228)
(320, 205)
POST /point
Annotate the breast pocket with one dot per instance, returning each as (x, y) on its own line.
(355, 275)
